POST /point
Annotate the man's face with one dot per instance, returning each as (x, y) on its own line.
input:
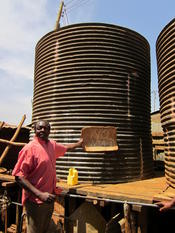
(42, 130)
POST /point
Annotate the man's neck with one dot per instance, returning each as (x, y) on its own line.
(45, 140)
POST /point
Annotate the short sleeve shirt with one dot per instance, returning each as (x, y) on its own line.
(36, 163)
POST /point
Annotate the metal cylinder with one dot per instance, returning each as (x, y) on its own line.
(166, 75)
(96, 74)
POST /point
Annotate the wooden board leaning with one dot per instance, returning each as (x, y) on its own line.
(99, 138)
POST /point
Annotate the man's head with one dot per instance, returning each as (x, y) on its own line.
(42, 129)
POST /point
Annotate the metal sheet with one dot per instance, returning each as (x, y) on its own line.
(166, 74)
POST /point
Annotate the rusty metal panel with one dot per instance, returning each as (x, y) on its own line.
(96, 74)
(166, 74)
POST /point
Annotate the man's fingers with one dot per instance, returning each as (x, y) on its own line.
(51, 197)
(159, 203)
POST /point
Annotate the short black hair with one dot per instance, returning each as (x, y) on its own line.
(46, 122)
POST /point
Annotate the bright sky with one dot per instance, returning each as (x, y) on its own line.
(23, 23)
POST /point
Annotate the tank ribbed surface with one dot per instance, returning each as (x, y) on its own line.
(96, 74)
(165, 48)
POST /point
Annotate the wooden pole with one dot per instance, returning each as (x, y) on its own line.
(133, 222)
(1, 124)
(12, 139)
(127, 218)
(59, 15)
(5, 221)
(12, 143)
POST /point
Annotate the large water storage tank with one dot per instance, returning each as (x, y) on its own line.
(166, 74)
(96, 74)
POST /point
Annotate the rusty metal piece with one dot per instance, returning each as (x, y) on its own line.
(166, 76)
(96, 74)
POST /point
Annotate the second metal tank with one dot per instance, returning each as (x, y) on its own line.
(96, 74)
(166, 74)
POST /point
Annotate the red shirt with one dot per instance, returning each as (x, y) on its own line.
(36, 162)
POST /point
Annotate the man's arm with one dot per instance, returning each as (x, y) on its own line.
(25, 184)
(74, 145)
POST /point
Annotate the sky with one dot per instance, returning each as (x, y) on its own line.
(23, 23)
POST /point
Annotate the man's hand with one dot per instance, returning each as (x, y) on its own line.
(43, 196)
(46, 197)
(165, 205)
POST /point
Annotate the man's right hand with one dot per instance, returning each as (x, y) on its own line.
(43, 196)
(46, 197)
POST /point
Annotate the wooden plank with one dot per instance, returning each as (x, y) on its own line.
(138, 191)
(5, 177)
(87, 219)
(3, 169)
(1, 124)
(8, 184)
(99, 138)
(166, 194)
(144, 191)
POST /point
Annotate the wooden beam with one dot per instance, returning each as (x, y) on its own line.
(12, 139)
(126, 209)
(57, 26)
(8, 184)
(12, 143)
(5, 177)
(1, 124)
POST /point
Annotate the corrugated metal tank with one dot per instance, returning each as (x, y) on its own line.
(96, 74)
(166, 74)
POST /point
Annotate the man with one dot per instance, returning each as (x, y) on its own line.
(35, 172)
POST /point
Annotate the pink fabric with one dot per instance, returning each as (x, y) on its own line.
(36, 162)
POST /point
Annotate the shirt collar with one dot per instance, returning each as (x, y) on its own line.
(42, 142)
